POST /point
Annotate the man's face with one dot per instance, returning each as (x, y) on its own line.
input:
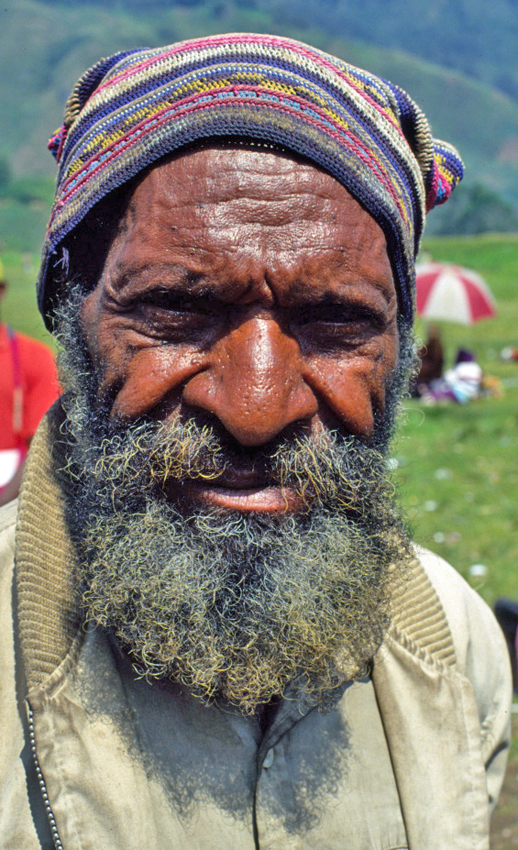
(230, 389)
(249, 290)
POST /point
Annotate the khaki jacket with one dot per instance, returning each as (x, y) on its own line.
(90, 757)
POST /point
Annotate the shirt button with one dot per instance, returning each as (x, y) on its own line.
(268, 759)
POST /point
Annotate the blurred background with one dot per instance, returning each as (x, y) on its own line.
(456, 462)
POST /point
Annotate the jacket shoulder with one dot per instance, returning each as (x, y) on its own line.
(8, 514)
(481, 653)
(482, 657)
(473, 627)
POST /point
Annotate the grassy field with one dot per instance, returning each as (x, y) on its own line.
(456, 466)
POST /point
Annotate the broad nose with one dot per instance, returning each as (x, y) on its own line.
(254, 383)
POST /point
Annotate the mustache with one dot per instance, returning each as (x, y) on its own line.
(327, 468)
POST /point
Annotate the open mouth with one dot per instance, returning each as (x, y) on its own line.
(240, 490)
(272, 499)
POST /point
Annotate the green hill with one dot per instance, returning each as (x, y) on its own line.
(474, 37)
(46, 44)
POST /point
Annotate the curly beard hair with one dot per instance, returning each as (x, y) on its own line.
(238, 608)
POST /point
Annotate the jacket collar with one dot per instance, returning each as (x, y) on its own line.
(48, 617)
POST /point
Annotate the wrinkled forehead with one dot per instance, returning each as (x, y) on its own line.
(228, 184)
(270, 188)
(220, 206)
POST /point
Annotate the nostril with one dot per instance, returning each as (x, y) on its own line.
(259, 418)
(252, 413)
(238, 458)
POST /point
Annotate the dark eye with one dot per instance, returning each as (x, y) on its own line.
(163, 299)
(169, 301)
(335, 323)
(175, 317)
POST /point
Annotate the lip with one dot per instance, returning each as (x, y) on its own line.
(262, 498)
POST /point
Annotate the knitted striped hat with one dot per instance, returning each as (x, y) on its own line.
(133, 108)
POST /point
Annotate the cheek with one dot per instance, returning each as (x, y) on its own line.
(137, 377)
(354, 388)
(140, 381)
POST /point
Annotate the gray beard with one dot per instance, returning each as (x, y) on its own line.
(237, 608)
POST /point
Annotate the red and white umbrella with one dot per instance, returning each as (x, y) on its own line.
(452, 293)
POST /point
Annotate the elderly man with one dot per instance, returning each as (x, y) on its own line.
(222, 636)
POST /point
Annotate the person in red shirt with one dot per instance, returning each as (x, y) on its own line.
(28, 386)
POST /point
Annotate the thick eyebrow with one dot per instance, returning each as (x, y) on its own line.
(341, 306)
(177, 281)
(346, 294)
(159, 277)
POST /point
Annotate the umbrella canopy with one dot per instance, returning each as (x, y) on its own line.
(452, 293)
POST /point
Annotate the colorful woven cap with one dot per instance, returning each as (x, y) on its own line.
(135, 107)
